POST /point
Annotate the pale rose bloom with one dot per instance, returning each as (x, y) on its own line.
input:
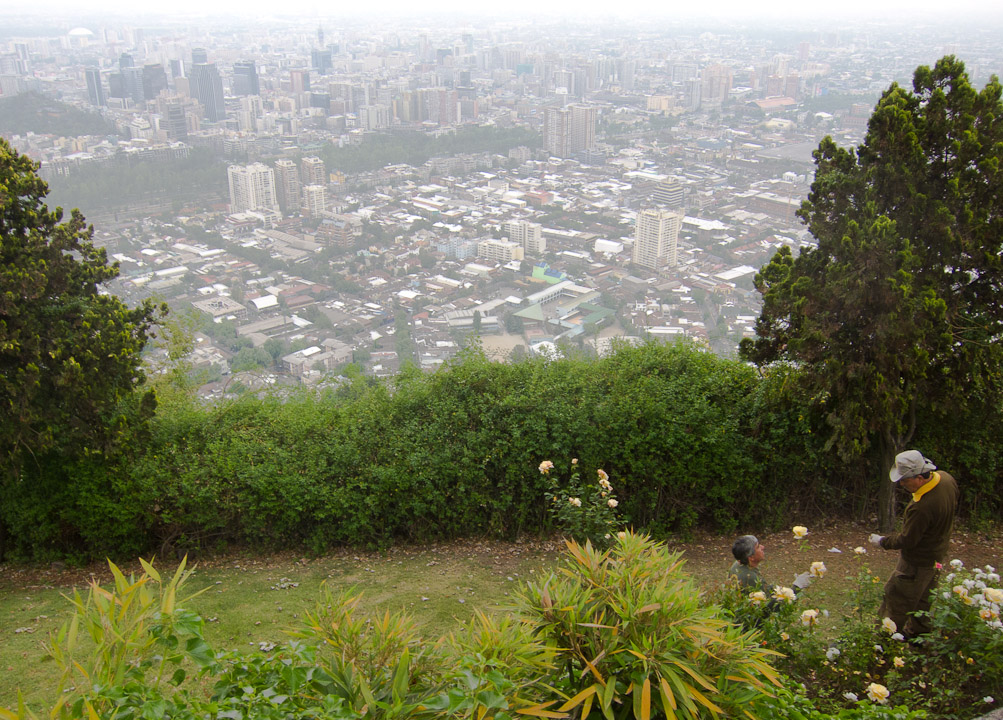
(988, 699)
(809, 617)
(859, 551)
(889, 625)
(783, 593)
(832, 653)
(993, 577)
(757, 598)
(898, 636)
(784, 636)
(606, 536)
(799, 531)
(878, 648)
(960, 590)
(899, 661)
(877, 693)
(994, 595)
(575, 501)
(957, 564)
(817, 569)
(986, 614)
(621, 535)
(852, 697)
(574, 461)
(612, 502)
(546, 466)
(603, 477)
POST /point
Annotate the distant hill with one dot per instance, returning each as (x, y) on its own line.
(32, 112)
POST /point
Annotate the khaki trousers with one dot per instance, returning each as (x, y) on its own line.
(908, 590)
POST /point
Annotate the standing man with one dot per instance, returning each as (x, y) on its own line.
(923, 541)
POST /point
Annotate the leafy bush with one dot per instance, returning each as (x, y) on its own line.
(586, 512)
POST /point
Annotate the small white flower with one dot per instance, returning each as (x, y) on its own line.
(990, 569)
(612, 502)
(852, 697)
(878, 648)
(832, 653)
(898, 636)
(888, 625)
(621, 535)
(817, 569)
(949, 577)
(606, 536)
(988, 699)
(957, 564)
(809, 617)
(757, 598)
(946, 595)
(575, 501)
(969, 583)
(993, 577)
(825, 613)
(859, 550)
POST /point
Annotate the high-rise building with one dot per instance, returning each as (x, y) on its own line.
(132, 84)
(321, 61)
(174, 121)
(245, 78)
(199, 56)
(716, 83)
(528, 234)
(568, 130)
(299, 81)
(656, 237)
(154, 80)
(287, 185)
(124, 61)
(95, 91)
(252, 187)
(312, 171)
(314, 200)
(207, 87)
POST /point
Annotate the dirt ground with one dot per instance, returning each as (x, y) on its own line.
(707, 556)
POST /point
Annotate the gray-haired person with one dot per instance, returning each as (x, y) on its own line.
(749, 553)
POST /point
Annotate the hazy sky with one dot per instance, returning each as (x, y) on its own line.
(907, 11)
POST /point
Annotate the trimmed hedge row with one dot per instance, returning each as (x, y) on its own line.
(687, 438)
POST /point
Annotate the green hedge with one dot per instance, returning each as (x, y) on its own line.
(688, 439)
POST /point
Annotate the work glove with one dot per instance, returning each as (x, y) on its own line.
(876, 539)
(802, 581)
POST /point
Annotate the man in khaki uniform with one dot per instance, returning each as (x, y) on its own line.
(923, 541)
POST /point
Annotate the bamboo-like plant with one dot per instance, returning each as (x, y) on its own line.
(634, 637)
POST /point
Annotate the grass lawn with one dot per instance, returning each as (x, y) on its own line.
(252, 598)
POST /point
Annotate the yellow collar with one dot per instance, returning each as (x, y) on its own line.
(930, 485)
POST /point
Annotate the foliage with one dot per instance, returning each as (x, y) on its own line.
(416, 148)
(121, 183)
(32, 112)
(631, 631)
(586, 512)
(897, 312)
(69, 355)
(953, 672)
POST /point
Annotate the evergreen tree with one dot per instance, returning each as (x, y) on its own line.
(899, 309)
(69, 354)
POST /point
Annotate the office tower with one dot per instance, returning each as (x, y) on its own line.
(564, 79)
(95, 91)
(154, 80)
(716, 83)
(312, 171)
(320, 36)
(252, 187)
(199, 56)
(669, 192)
(528, 234)
(174, 121)
(287, 185)
(207, 87)
(177, 69)
(569, 130)
(321, 61)
(132, 84)
(655, 238)
(299, 81)
(245, 78)
(314, 200)
(124, 61)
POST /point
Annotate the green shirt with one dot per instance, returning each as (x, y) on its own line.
(749, 578)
